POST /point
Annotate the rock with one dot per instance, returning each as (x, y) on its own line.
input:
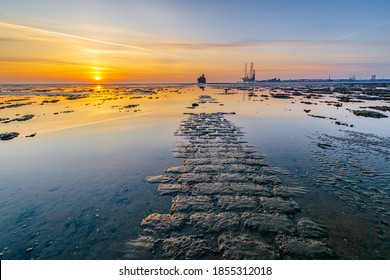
(281, 95)
(253, 162)
(186, 247)
(130, 106)
(237, 203)
(8, 136)
(209, 168)
(231, 178)
(278, 205)
(268, 222)
(178, 169)
(316, 116)
(242, 168)
(197, 161)
(213, 222)
(141, 248)
(297, 93)
(191, 203)
(170, 188)
(31, 135)
(369, 114)
(164, 222)
(159, 179)
(307, 110)
(308, 228)
(306, 249)
(263, 179)
(244, 247)
(379, 108)
(194, 178)
(324, 145)
(230, 188)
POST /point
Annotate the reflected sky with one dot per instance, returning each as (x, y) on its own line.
(77, 190)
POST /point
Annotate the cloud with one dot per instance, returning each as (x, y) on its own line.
(60, 34)
(362, 31)
(32, 60)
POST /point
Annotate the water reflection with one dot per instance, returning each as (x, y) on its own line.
(76, 190)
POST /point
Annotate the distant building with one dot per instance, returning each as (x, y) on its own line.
(373, 77)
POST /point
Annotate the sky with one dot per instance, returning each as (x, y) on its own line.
(47, 41)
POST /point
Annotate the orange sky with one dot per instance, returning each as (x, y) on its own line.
(45, 44)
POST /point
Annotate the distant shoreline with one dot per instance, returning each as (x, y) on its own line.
(194, 83)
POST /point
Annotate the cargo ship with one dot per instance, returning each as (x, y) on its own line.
(202, 79)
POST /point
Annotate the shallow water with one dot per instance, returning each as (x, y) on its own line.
(77, 189)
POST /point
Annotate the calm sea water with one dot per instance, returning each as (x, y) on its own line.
(77, 189)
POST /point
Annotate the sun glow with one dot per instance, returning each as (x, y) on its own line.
(97, 78)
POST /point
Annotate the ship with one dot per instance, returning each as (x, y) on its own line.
(249, 77)
(202, 79)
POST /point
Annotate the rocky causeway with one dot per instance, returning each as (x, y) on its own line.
(226, 203)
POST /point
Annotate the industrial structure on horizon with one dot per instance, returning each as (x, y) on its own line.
(249, 76)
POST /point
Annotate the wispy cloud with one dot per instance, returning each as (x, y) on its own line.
(60, 34)
(275, 44)
(362, 31)
(40, 61)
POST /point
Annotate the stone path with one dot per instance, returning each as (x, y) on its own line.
(226, 203)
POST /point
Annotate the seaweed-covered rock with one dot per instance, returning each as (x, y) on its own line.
(178, 169)
(248, 189)
(213, 222)
(186, 247)
(164, 221)
(243, 247)
(237, 203)
(165, 189)
(141, 248)
(268, 222)
(159, 179)
(194, 178)
(263, 179)
(231, 178)
(8, 136)
(305, 249)
(281, 95)
(279, 205)
(242, 168)
(209, 168)
(369, 114)
(192, 203)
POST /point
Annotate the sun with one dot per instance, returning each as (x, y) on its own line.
(97, 78)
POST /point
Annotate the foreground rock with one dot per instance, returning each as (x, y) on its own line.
(159, 179)
(306, 249)
(213, 222)
(244, 247)
(8, 136)
(226, 202)
(369, 114)
(186, 247)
